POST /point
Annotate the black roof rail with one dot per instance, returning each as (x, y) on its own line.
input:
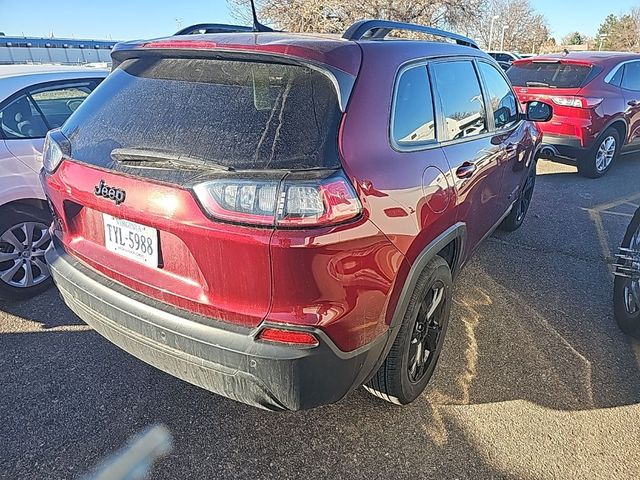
(213, 28)
(379, 29)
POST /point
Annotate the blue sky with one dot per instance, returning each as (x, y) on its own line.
(131, 19)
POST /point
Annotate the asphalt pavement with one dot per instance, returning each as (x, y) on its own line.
(535, 382)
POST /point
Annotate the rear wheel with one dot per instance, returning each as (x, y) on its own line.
(516, 217)
(412, 359)
(626, 287)
(24, 237)
(599, 159)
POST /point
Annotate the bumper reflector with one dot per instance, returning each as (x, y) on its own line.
(291, 337)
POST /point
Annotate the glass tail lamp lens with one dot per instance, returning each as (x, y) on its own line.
(287, 203)
(291, 337)
(56, 148)
(51, 154)
(241, 201)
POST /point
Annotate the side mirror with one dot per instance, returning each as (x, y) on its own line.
(539, 112)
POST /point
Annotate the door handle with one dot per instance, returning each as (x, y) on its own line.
(466, 170)
(511, 148)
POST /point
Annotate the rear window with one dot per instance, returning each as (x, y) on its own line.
(554, 75)
(238, 114)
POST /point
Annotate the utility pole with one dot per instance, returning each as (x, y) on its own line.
(493, 19)
(602, 38)
(504, 27)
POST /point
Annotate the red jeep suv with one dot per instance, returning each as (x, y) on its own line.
(596, 103)
(277, 218)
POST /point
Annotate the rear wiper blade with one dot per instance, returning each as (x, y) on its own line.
(163, 159)
(537, 84)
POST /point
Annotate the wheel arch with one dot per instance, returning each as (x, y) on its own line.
(451, 243)
(29, 202)
(621, 126)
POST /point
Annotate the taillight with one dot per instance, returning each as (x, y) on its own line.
(56, 147)
(577, 102)
(242, 201)
(291, 337)
(294, 201)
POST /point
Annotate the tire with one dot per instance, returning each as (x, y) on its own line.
(17, 258)
(405, 372)
(516, 217)
(626, 291)
(601, 157)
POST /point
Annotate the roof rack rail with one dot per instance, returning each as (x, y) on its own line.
(379, 29)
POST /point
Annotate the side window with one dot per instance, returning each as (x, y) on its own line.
(617, 78)
(413, 119)
(631, 76)
(40, 109)
(461, 99)
(59, 102)
(21, 119)
(502, 101)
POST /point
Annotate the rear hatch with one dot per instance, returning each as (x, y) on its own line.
(559, 82)
(543, 78)
(177, 169)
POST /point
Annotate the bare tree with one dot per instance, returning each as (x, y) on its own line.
(335, 16)
(525, 30)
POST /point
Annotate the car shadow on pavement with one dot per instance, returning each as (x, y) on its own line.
(74, 398)
(44, 310)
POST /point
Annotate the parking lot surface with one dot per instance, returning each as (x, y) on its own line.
(535, 380)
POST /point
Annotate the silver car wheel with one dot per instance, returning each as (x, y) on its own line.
(605, 153)
(632, 287)
(22, 247)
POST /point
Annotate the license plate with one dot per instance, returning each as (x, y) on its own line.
(131, 240)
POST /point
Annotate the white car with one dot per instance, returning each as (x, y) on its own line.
(33, 100)
(508, 57)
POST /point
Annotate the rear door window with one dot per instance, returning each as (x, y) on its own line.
(413, 120)
(461, 101)
(41, 108)
(631, 76)
(502, 101)
(58, 103)
(229, 113)
(549, 74)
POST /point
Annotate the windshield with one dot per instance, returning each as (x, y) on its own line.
(237, 114)
(543, 74)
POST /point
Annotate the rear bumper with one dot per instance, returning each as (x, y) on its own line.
(565, 146)
(221, 358)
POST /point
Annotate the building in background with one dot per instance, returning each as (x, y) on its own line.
(62, 51)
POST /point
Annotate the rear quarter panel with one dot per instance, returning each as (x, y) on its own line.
(408, 195)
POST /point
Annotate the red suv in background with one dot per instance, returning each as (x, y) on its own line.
(596, 104)
(278, 218)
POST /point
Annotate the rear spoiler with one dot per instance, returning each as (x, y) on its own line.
(562, 60)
